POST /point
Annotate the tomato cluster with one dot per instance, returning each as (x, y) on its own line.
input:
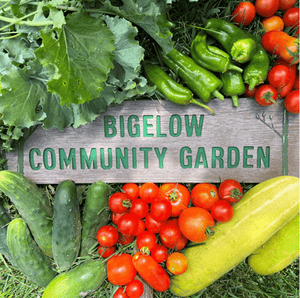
(160, 221)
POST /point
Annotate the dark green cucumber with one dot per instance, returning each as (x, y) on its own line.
(78, 282)
(33, 205)
(66, 232)
(26, 255)
(95, 214)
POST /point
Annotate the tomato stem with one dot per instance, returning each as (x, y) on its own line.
(236, 193)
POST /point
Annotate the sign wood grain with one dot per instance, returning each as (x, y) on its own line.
(145, 140)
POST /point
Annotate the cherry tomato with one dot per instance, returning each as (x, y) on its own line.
(149, 191)
(161, 209)
(141, 227)
(279, 75)
(169, 235)
(134, 289)
(250, 93)
(116, 216)
(181, 243)
(119, 202)
(160, 253)
(107, 236)
(273, 23)
(172, 220)
(222, 211)
(120, 270)
(244, 13)
(266, 95)
(106, 252)
(139, 208)
(266, 8)
(286, 4)
(128, 224)
(153, 225)
(120, 293)
(296, 83)
(291, 17)
(291, 102)
(195, 223)
(132, 190)
(177, 263)
(125, 239)
(146, 241)
(177, 194)
(204, 195)
(230, 190)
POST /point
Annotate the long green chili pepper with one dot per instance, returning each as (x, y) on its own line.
(234, 40)
(201, 81)
(174, 91)
(233, 85)
(213, 61)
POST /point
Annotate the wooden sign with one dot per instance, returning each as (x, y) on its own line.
(145, 140)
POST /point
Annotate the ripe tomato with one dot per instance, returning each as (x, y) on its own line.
(244, 13)
(273, 23)
(148, 192)
(286, 4)
(119, 202)
(169, 235)
(204, 195)
(146, 241)
(139, 208)
(160, 253)
(250, 93)
(161, 209)
(153, 225)
(107, 236)
(141, 227)
(181, 243)
(128, 224)
(177, 263)
(296, 83)
(177, 194)
(132, 190)
(266, 8)
(222, 211)
(120, 270)
(291, 17)
(195, 223)
(266, 95)
(279, 75)
(120, 293)
(106, 252)
(125, 239)
(230, 190)
(291, 102)
(116, 216)
(134, 289)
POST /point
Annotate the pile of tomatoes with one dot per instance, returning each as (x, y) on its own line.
(160, 221)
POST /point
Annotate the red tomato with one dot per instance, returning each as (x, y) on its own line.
(244, 13)
(125, 239)
(266, 8)
(222, 211)
(279, 75)
(161, 209)
(296, 83)
(146, 241)
(153, 225)
(106, 252)
(160, 253)
(169, 235)
(128, 224)
(286, 4)
(273, 23)
(120, 293)
(266, 95)
(139, 208)
(181, 243)
(285, 90)
(177, 263)
(195, 223)
(291, 17)
(230, 190)
(291, 102)
(148, 192)
(141, 227)
(177, 194)
(134, 289)
(107, 236)
(250, 93)
(204, 195)
(116, 216)
(132, 190)
(119, 202)
(120, 269)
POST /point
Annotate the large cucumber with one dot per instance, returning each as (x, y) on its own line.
(95, 214)
(77, 282)
(66, 233)
(26, 255)
(263, 210)
(279, 251)
(33, 205)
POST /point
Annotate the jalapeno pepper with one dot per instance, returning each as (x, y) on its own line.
(211, 60)
(234, 40)
(201, 81)
(174, 91)
(233, 85)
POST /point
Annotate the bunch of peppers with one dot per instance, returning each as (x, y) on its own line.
(210, 70)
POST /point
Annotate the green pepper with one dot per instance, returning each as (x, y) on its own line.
(256, 72)
(233, 39)
(233, 85)
(201, 81)
(213, 61)
(174, 91)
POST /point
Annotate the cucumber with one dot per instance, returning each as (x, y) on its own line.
(66, 232)
(33, 205)
(95, 214)
(77, 282)
(279, 251)
(26, 255)
(263, 210)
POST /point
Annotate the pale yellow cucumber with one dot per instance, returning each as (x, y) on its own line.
(279, 251)
(261, 212)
